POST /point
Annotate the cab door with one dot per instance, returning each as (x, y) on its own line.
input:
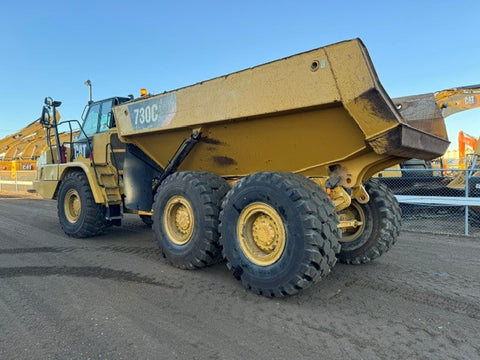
(98, 119)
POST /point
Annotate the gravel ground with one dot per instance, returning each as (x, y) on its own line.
(114, 297)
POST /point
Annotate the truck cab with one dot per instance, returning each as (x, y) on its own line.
(98, 118)
(93, 159)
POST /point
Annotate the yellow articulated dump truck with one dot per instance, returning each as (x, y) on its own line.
(268, 168)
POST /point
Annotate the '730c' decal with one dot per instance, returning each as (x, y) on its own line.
(155, 112)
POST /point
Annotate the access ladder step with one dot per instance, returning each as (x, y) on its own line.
(114, 200)
(114, 217)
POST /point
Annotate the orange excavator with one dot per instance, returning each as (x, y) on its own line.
(465, 141)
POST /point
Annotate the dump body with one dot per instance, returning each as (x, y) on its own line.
(300, 114)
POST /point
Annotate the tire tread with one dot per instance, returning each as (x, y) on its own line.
(94, 221)
(211, 188)
(390, 222)
(319, 222)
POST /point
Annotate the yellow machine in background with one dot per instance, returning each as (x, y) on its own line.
(428, 109)
(21, 150)
(268, 167)
(452, 101)
(16, 151)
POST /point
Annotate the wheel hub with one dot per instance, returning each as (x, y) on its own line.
(261, 234)
(72, 206)
(178, 220)
(354, 214)
(265, 233)
(182, 219)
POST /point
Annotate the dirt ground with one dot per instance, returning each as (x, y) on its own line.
(114, 297)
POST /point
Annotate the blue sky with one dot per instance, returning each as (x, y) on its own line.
(49, 48)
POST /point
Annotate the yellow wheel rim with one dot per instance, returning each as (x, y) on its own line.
(261, 234)
(72, 206)
(178, 220)
(353, 212)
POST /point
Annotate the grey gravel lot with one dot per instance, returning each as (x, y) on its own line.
(114, 297)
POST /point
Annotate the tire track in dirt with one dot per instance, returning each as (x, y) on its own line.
(144, 252)
(100, 272)
(425, 297)
(82, 271)
(388, 286)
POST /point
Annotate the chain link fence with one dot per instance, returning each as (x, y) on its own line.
(432, 200)
(436, 200)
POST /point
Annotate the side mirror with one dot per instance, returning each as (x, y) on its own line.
(45, 118)
(50, 102)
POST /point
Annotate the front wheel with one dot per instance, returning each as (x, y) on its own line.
(278, 232)
(380, 221)
(79, 215)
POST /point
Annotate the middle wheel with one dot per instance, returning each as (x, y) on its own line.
(278, 232)
(185, 218)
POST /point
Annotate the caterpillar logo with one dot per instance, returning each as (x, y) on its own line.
(81, 148)
(470, 100)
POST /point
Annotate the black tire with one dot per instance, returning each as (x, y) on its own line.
(201, 193)
(89, 219)
(147, 220)
(308, 227)
(382, 221)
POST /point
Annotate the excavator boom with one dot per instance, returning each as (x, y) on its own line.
(452, 101)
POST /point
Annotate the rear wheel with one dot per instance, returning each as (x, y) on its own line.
(380, 221)
(78, 213)
(185, 218)
(278, 233)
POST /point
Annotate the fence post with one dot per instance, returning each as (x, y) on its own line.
(467, 175)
